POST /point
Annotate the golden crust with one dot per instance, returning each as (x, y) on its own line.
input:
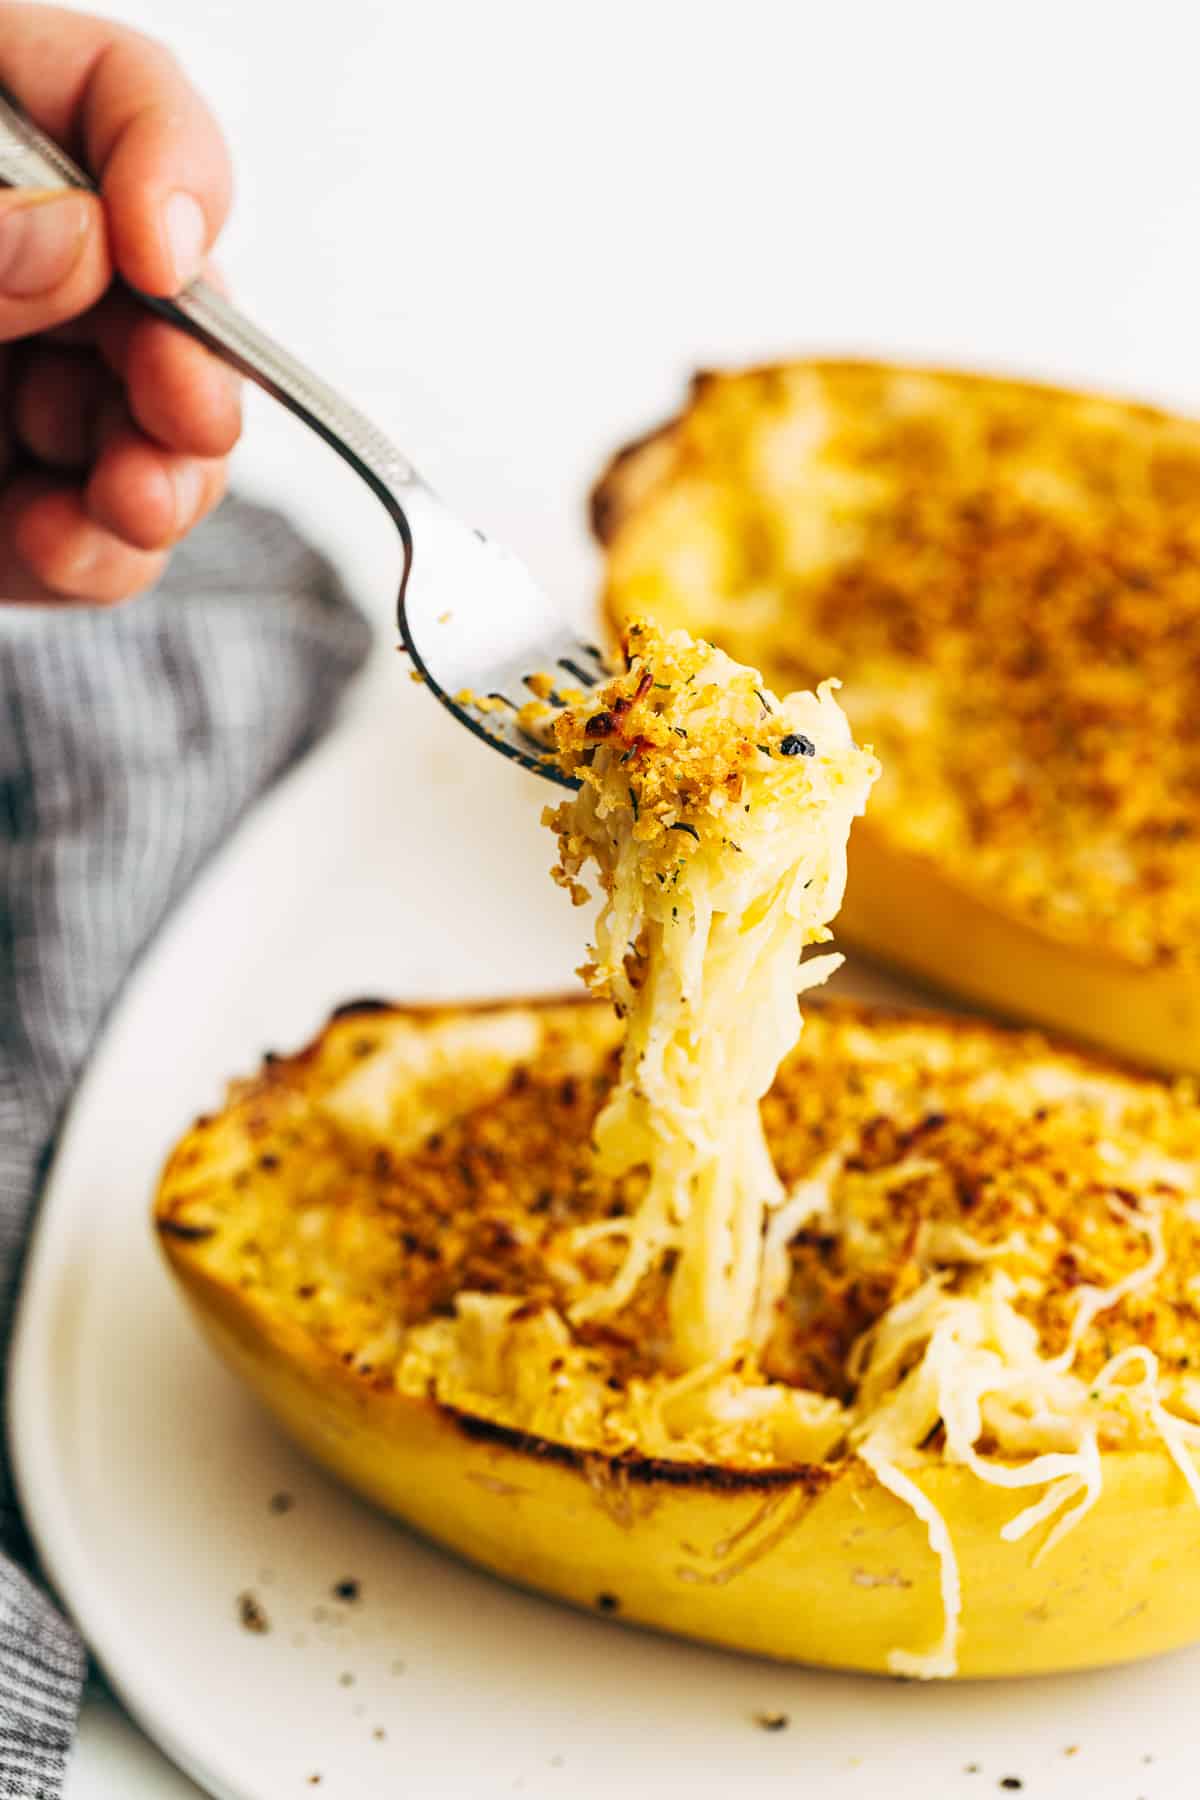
(945, 1132)
(1006, 576)
(807, 1562)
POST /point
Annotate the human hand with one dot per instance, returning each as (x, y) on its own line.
(114, 427)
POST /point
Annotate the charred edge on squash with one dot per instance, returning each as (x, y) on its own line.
(864, 1012)
(432, 1011)
(187, 1234)
(607, 505)
(606, 502)
(809, 1478)
(273, 1070)
(349, 1009)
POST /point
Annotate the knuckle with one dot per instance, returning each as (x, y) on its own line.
(216, 490)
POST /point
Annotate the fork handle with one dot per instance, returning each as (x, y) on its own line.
(29, 159)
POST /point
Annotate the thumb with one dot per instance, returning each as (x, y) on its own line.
(54, 258)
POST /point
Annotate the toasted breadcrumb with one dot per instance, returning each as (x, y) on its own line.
(953, 1156)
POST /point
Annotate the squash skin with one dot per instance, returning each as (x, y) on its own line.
(813, 1568)
(903, 909)
(814, 1565)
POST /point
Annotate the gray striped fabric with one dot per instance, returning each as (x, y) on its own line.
(130, 743)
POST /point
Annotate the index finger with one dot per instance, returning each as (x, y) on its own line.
(122, 103)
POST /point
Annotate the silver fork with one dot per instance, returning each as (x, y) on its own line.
(473, 620)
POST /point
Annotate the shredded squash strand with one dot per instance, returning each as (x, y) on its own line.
(717, 816)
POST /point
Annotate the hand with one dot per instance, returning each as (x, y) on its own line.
(114, 427)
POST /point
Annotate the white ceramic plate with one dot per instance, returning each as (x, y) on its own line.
(403, 860)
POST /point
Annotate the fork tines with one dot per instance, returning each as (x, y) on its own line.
(585, 664)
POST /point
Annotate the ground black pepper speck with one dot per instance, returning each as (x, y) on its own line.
(251, 1616)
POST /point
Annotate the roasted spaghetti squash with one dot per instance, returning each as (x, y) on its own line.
(865, 1359)
(987, 1330)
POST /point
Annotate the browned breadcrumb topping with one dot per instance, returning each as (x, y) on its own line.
(684, 728)
(683, 755)
(1008, 578)
(994, 1153)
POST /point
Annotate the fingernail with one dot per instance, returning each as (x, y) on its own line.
(187, 478)
(41, 240)
(187, 235)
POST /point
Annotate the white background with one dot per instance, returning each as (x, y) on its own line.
(510, 228)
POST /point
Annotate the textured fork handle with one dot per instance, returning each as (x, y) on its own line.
(29, 159)
(208, 316)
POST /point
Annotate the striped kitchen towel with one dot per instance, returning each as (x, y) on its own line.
(130, 742)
